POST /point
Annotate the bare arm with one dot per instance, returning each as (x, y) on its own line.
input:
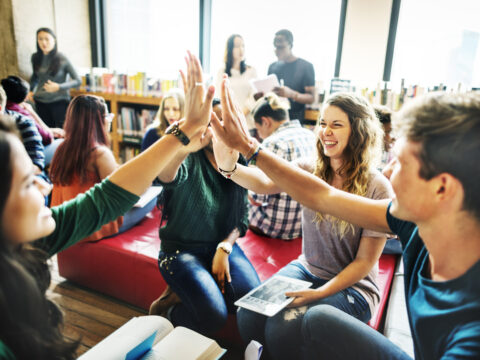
(368, 254)
(104, 162)
(302, 186)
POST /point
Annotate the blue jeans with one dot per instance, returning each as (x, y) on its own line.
(281, 334)
(189, 273)
(331, 334)
(133, 216)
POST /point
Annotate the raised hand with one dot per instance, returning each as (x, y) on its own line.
(198, 106)
(225, 157)
(233, 131)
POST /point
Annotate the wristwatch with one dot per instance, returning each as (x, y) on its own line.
(225, 246)
(174, 129)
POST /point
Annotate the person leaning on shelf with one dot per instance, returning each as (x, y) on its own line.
(239, 75)
(30, 233)
(435, 213)
(49, 83)
(337, 257)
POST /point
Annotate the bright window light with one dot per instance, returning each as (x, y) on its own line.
(438, 41)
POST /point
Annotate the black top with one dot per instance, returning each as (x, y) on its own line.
(296, 75)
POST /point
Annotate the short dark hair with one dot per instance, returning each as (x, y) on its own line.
(287, 34)
(447, 126)
(16, 88)
(383, 113)
(215, 102)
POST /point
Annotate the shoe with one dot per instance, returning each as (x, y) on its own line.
(164, 302)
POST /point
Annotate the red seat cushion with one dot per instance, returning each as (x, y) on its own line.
(125, 266)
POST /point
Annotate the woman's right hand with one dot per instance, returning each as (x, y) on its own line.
(198, 106)
(233, 131)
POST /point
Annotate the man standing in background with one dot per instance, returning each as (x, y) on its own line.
(296, 75)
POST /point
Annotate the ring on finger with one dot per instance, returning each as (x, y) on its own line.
(198, 84)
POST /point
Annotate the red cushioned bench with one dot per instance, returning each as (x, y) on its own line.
(125, 266)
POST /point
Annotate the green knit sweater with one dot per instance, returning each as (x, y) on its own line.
(80, 217)
(197, 206)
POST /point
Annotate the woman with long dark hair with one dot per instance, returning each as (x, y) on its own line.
(239, 75)
(31, 324)
(53, 76)
(338, 258)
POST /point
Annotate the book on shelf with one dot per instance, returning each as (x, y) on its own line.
(128, 152)
(154, 338)
(134, 84)
(269, 297)
(134, 122)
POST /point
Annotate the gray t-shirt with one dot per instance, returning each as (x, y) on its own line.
(66, 77)
(325, 254)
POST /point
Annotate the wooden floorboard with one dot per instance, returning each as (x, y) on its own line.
(90, 316)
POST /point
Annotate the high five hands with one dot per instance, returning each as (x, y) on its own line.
(232, 130)
(198, 105)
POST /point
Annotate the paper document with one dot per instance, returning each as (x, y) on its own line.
(265, 85)
(151, 193)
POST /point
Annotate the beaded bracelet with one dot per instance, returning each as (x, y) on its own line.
(228, 173)
(253, 159)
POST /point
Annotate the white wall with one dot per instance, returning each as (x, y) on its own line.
(365, 41)
(67, 18)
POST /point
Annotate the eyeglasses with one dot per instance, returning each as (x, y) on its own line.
(109, 117)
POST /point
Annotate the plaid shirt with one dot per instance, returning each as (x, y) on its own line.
(278, 215)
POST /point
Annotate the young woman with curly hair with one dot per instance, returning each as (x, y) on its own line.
(340, 259)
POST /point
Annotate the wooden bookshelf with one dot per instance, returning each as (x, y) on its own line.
(117, 101)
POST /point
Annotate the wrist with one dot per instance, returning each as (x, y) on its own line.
(225, 247)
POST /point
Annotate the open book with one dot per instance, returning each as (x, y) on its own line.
(151, 193)
(154, 338)
(269, 298)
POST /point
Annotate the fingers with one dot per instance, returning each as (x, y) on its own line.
(227, 272)
(210, 94)
(216, 124)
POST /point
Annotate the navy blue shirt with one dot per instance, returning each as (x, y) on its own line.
(296, 75)
(444, 315)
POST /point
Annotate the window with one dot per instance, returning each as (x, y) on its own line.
(151, 36)
(314, 25)
(438, 41)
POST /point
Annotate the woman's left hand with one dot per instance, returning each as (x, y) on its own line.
(51, 86)
(303, 297)
(221, 269)
(225, 157)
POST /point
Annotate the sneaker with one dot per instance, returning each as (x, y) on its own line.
(164, 302)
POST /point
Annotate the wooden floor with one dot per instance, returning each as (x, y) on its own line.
(91, 316)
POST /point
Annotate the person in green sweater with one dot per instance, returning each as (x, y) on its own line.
(30, 326)
(206, 271)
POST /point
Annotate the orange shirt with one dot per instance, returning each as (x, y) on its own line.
(61, 194)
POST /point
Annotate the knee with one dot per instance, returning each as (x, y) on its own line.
(212, 318)
(319, 321)
(250, 325)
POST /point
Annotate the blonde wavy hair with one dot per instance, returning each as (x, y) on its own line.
(361, 154)
(160, 122)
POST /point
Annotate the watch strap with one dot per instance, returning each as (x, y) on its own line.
(174, 129)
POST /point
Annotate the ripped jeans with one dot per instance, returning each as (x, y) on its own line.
(189, 273)
(281, 334)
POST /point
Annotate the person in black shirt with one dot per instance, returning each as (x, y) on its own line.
(296, 75)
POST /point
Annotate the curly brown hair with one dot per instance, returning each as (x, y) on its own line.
(361, 153)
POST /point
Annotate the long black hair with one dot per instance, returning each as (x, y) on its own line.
(229, 56)
(54, 54)
(31, 324)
